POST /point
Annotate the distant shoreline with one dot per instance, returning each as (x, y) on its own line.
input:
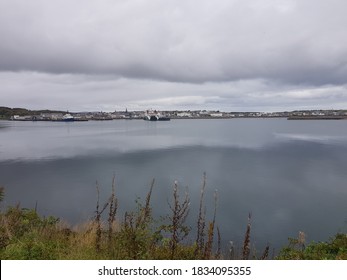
(296, 118)
(22, 114)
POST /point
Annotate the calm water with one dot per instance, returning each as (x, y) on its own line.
(290, 174)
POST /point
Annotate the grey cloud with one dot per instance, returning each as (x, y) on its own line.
(224, 54)
(195, 41)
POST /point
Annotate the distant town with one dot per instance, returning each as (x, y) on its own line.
(21, 114)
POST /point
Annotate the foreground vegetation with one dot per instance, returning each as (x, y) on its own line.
(24, 234)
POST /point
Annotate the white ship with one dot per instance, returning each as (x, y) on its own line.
(155, 116)
(68, 118)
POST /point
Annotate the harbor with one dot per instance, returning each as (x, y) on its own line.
(20, 114)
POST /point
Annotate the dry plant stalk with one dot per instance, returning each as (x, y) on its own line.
(112, 211)
(209, 243)
(145, 213)
(179, 214)
(98, 219)
(201, 219)
(246, 244)
(147, 209)
(302, 240)
(265, 254)
(219, 249)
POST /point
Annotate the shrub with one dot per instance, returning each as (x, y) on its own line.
(334, 249)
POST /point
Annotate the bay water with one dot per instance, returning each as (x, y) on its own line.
(291, 175)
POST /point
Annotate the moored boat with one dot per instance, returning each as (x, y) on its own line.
(68, 118)
(155, 116)
(163, 119)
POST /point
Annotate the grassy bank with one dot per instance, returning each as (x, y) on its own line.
(24, 234)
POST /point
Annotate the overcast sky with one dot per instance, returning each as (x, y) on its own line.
(229, 55)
